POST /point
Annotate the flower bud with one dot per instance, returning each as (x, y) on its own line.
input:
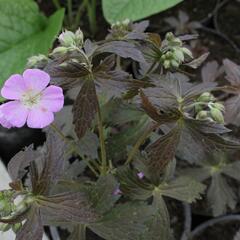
(218, 106)
(67, 39)
(79, 38)
(59, 51)
(217, 115)
(166, 64)
(202, 115)
(174, 63)
(206, 97)
(169, 36)
(37, 61)
(178, 54)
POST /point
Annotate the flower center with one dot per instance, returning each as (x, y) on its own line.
(31, 98)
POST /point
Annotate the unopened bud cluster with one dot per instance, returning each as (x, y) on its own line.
(6, 204)
(120, 29)
(173, 52)
(207, 108)
(68, 42)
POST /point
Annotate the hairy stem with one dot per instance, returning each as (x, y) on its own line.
(139, 142)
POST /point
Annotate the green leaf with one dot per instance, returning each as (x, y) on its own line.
(118, 10)
(32, 228)
(24, 32)
(183, 189)
(125, 222)
(220, 195)
(159, 225)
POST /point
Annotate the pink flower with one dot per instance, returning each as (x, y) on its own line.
(33, 102)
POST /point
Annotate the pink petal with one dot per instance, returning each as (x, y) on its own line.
(52, 99)
(15, 113)
(3, 121)
(36, 79)
(39, 118)
(14, 87)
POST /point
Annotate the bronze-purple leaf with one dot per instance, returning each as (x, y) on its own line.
(17, 165)
(85, 108)
(53, 163)
(123, 49)
(32, 228)
(164, 115)
(67, 207)
(198, 61)
(163, 150)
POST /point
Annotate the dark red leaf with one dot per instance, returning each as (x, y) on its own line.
(85, 108)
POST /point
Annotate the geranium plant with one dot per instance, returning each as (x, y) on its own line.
(120, 149)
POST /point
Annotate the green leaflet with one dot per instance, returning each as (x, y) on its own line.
(24, 32)
(118, 10)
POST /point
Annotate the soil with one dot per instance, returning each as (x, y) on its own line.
(224, 231)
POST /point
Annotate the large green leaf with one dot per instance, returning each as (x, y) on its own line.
(118, 10)
(24, 32)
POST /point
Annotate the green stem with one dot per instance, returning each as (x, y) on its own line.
(56, 4)
(92, 7)
(70, 13)
(59, 132)
(139, 142)
(81, 8)
(102, 143)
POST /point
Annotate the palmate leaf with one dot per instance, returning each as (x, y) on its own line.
(68, 71)
(24, 32)
(132, 186)
(118, 10)
(161, 115)
(232, 170)
(159, 224)
(183, 189)
(67, 207)
(101, 194)
(163, 150)
(118, 112)
(220, 195)
(52, 167)
(125, 221)
(123, 49)
(33, 227)
(201, 137)
(85, 108)
(232, 104)
(112, 82)
(117, 147)
(17, 165)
